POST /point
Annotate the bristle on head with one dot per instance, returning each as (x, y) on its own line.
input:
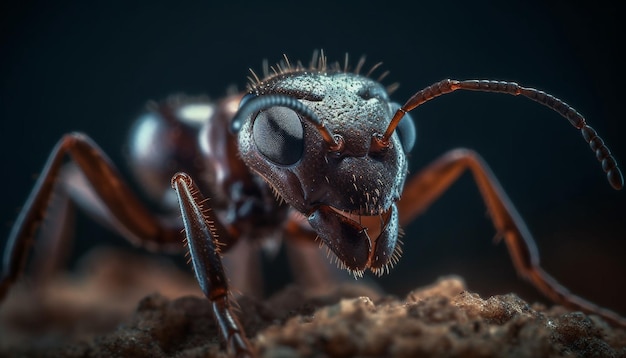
(319, 63)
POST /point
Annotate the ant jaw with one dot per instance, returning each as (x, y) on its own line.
(347, 235)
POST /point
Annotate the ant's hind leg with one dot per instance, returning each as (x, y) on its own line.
(426, 186)
(129, 216)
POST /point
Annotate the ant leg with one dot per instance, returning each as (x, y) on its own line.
(56, 233)
(426, 186)
(203, 232)
(130, 216)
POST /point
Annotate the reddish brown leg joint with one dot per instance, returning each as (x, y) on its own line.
(129, 214)
(425, 187)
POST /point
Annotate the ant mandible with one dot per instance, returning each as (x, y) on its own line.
(326, 140)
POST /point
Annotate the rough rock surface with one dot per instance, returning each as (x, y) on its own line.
(98, 316)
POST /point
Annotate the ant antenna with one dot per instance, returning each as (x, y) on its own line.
(259, 103)
(603, 154)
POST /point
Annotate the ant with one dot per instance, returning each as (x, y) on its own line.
(324, 139)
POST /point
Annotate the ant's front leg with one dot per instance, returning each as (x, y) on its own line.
(426, 186)
(203, 231)
(113, 197)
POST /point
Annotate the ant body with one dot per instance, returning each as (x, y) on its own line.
(324, 139)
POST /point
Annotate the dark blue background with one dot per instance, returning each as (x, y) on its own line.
(90, 66)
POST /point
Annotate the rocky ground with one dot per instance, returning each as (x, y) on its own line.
(110, 311)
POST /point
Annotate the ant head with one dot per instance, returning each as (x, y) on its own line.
(310, 135)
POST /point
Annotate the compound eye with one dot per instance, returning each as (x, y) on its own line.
(406, 132)
(279, 135)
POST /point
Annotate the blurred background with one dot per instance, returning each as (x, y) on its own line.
(91, 66)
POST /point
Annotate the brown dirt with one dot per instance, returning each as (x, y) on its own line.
(97, 315)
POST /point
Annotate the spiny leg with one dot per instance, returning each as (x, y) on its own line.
(130, 216)
(203, 230)
(426, 186)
